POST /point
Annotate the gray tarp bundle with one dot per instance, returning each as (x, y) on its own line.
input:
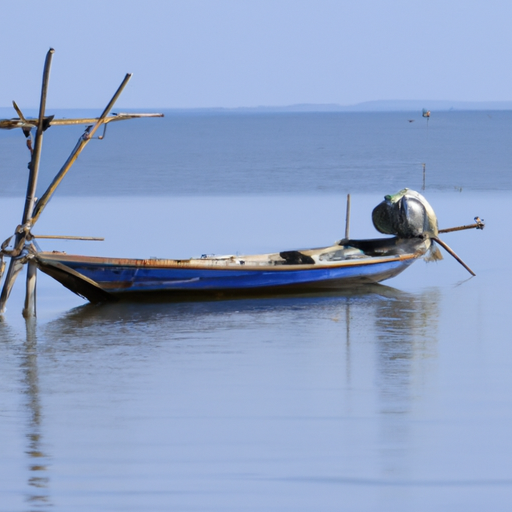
(406, 214)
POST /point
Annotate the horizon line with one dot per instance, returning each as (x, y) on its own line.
(365, 106)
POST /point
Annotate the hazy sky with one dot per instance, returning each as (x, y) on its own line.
(229, 53)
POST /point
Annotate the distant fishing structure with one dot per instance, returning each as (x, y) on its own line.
(426, 113)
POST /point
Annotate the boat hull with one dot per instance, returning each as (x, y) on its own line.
(100, 279)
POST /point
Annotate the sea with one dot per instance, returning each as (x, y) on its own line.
(392, 397)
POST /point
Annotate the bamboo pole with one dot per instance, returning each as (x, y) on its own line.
(478, 225)
(450, 251)
(347, 218)
(64, 237)
(15, 267)
(38, 144)
(30, 292)
(31, 282)
(15, 264)
(28, 124)
(82, 142)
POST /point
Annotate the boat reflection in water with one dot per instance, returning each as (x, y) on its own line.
(397, 315)
(173, 357)
(400, 328)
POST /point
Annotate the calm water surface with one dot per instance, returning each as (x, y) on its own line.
(393, 397)
(277, 154)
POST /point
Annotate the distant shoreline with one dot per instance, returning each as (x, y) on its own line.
(368, 106)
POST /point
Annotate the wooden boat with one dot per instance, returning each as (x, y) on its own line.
(348, 263)
(98, 279)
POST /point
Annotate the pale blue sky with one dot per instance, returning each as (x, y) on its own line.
(230, 53)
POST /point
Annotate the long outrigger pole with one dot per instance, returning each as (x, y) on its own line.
(32, 211)
(80, 146)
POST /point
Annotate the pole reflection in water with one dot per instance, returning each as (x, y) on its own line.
(406, 332)
(38, 461)
(401, 329)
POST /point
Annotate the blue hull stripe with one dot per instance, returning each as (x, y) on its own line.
(133, 279)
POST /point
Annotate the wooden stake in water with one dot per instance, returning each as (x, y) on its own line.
(347, 218)
(424, 165)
